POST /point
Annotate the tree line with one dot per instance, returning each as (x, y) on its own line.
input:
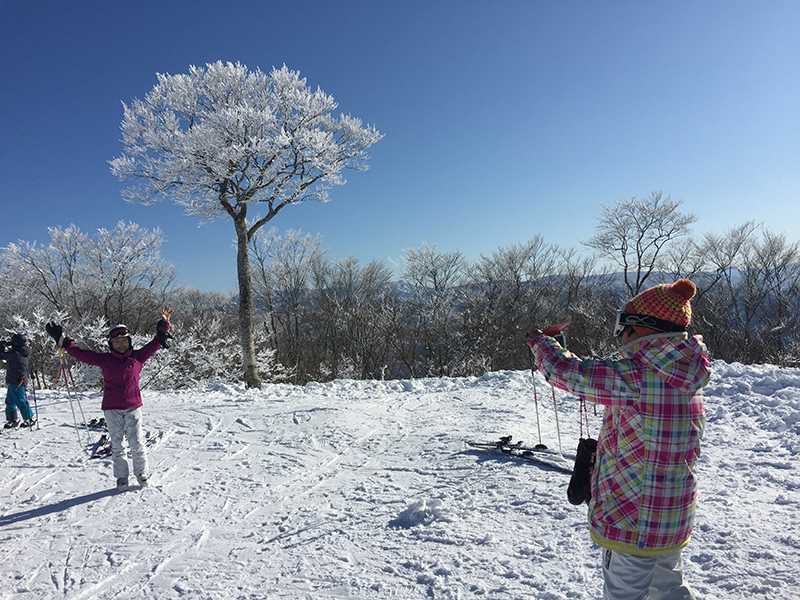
(317, 318)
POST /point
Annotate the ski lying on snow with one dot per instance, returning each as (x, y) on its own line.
(505, 442)
(546, 460)
(102, 448)
(542, 456)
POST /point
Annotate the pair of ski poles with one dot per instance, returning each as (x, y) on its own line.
(540, 445)
(553, 331)
(63, 367)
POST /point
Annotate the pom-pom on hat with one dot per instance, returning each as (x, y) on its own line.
(668, 301)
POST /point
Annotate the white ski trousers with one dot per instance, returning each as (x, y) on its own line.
(629, 577)
(127, 424)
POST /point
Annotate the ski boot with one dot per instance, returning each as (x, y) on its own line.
(11, 425)
(28, 423)
(143, 481)
(122, 484)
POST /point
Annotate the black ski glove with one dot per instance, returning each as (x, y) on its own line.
(164, 336)
(56, 332)
(580, 485)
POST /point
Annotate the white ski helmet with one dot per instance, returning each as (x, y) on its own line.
(117, 331)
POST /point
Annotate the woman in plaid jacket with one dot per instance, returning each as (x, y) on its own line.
(644, 486)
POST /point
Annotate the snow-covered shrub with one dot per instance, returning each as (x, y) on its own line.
(208, 353)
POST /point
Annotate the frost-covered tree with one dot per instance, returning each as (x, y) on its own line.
(128, 279)
(354, 307)
(509, 290)
(435, 280)
(283, 267)
(117, 273)
(634, 233)
(53, 274)
(222, 138)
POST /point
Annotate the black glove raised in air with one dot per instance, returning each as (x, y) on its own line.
(164, 336)
(55, 331)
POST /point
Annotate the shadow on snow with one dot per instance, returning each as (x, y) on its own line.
(54, 508)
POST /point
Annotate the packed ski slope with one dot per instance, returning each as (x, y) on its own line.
(364, 489)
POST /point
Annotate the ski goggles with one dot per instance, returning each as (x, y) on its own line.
(625, 318)
(118, 332)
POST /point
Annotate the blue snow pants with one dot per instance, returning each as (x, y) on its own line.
(15, 399)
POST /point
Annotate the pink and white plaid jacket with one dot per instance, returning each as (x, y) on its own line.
(644, 486)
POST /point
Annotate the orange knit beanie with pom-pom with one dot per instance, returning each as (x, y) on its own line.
(668, 301)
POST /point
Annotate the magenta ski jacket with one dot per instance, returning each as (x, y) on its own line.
(644, 487)
(120, 372)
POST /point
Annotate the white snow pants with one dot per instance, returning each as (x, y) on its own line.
(127, 424)
(629, 577)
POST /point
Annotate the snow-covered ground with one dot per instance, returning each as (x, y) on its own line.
(364, 489)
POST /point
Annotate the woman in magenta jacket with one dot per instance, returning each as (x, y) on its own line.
(122, 398)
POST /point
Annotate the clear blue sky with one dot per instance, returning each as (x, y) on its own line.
(502, 119)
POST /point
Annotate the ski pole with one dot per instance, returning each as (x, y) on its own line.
(555, 409)
(540, 445)
(77, 398)
(35, 406)
(556, 332)
(62, 356)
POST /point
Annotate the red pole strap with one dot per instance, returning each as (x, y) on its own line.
(584, 416)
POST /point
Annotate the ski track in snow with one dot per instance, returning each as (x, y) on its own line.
(367, 490)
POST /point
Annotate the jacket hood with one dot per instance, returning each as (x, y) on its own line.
(681, 361)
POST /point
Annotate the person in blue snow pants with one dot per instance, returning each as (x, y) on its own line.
(16, 353)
